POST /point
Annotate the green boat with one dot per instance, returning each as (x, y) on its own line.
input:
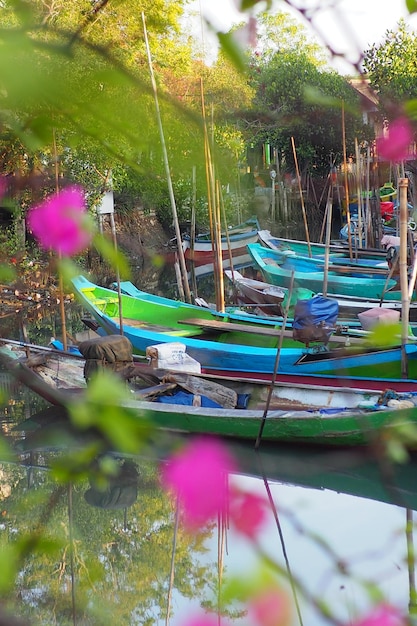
(177, 413)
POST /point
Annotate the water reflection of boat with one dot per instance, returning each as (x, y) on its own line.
(352, 471)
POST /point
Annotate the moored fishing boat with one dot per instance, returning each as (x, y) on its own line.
(278, 268)
(357, 426)
(246, 350)
(338, 249)
(233, 243)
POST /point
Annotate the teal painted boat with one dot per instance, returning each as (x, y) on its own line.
(339, 250)
(241, 349)
(277, 269)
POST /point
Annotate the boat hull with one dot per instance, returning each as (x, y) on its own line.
(281, 272)
(218, 350)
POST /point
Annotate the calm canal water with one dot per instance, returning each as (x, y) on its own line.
(333, 525)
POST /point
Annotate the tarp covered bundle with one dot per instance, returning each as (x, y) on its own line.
(112, 352)
(315, 319)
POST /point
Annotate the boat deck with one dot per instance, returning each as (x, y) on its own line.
(221, 327)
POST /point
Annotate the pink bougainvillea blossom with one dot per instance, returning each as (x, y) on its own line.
(198, 477)
(60, 222)
(382, 615)
(205, 620)
(395, 145)
(247, 512)
(270, 607)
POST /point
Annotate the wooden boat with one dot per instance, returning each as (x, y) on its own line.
(268, 299)
(318, 427)
(65, 370)
(245, 350)
(349, 306)
(233, 242)
(338, 248)
(277, 269)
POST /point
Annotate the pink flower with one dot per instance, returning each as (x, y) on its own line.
(382, 615)
(59, 223)
(247, 512)
(395, 146)
(270, 608)
(205, 620)
(198, 477)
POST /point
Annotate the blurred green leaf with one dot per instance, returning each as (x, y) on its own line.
(9, 562)
(7, 273)
(385, 334)
(112, 255)
(411, 6)
(233, 51)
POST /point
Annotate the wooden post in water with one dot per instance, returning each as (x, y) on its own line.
(60, 279)
(167, 170)
(405, 302)
(106, 207)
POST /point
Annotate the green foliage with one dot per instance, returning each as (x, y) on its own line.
(411, 6)
(300, 100)
(391, 68)
(281, 33)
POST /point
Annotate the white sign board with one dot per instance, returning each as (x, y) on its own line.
(107, 204)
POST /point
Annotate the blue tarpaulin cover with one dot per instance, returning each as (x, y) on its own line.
(186, 398)
(315, 318)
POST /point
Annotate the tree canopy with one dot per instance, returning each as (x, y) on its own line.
(298, 96)
(392, 68)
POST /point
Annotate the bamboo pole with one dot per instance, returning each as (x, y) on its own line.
(167, 170)
(215, 227)
(119, 291)
(367, 201)
(60, 279)
(301, 197)
(276, 365)
(359, 193)
(346, 180)
(193, 231)
(329, 206)
(220, 277)
(405, 302)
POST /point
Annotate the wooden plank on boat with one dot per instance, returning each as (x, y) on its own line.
(221, 394)
(156, 390)
(217, 326)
